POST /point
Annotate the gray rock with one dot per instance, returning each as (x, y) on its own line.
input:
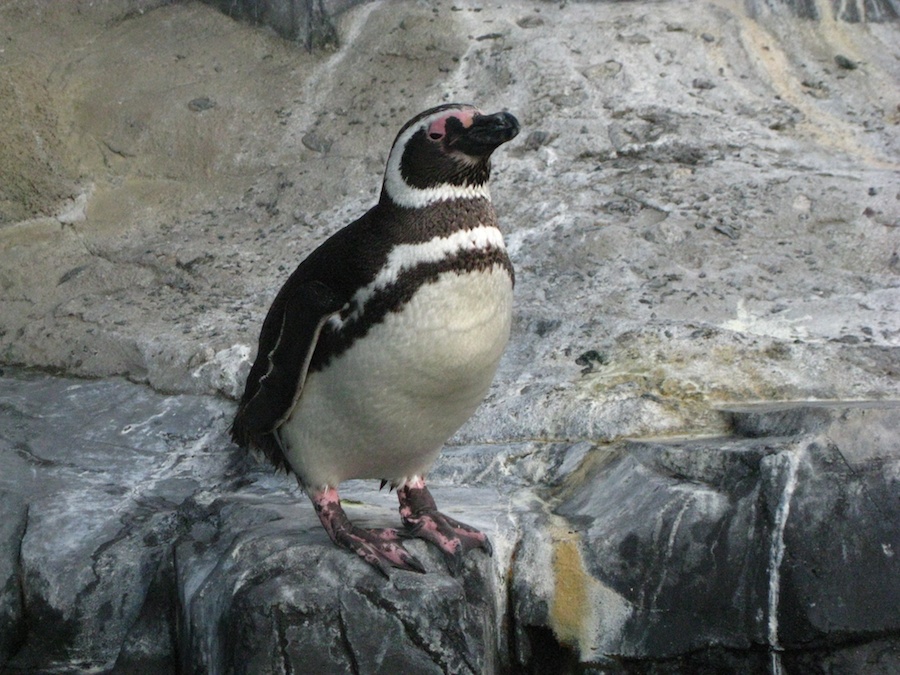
(683, 551)
(316, 143)
(263, 590)
(854, 12)
(309, 22)
(102, 468)
(845, 63)
(135, 539)
(13, 519)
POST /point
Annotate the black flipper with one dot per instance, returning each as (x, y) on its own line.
(286, 345)
(315, 291)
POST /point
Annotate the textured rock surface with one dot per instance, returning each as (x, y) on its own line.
(855, 10)
(768, 548)
(703, 211)
(309, 22)
(102, 468)
(12, 530)
(135, 539)
(149, 545)
(263, 590)
(702, 207)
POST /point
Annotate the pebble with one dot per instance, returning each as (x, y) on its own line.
(201, 103)
(845, 63)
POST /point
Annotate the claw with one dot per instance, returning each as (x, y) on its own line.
(422, 519)
(381, 548)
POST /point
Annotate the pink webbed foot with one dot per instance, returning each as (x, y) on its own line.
(422, 519)
(380, 548)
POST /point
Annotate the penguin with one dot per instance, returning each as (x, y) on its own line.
(386, 338)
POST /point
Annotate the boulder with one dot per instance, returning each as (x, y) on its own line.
(101, 469)
(263, 590)
(774, 546)
(12, 532)
(136, 538)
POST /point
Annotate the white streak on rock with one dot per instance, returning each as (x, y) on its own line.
(787, 465)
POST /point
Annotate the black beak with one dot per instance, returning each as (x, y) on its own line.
(485, 134)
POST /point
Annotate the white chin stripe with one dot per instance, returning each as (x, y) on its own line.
(415, 198)
(406, 256)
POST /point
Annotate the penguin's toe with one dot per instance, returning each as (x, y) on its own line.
(381, 548)
(452, 537)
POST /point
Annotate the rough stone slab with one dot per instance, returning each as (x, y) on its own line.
(102, 467)
(771, 545)
(151, 546)
(263, 590)
(666, 564)
(840, 503)
(862, 421)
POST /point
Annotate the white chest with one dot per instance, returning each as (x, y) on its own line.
(384, 408)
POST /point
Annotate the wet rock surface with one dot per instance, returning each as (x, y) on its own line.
(703, 213)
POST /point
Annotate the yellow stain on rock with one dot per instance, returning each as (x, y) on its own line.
(585, 614)
(570, 612)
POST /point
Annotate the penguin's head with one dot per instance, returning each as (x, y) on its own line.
(445, 153)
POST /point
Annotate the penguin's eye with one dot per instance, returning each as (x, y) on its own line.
(437, 129)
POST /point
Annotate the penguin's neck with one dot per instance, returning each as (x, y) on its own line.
(397, 190)
(438, 220)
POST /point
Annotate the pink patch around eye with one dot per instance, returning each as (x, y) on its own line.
(438, 128)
